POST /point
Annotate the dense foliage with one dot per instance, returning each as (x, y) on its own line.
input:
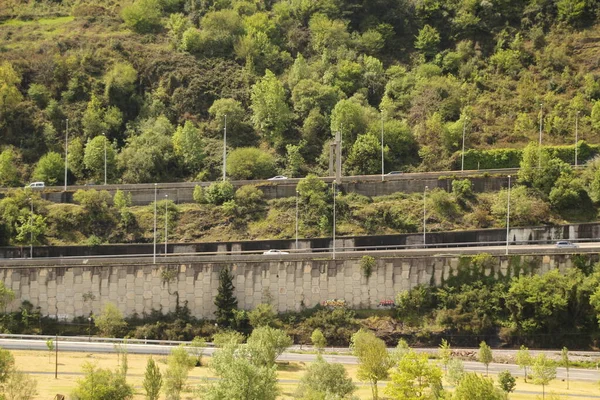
(153, 83)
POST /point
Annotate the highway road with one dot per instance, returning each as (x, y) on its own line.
(294, 181)
(444, 250)
(589, 375)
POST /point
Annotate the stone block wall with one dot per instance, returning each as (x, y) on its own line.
(69, 291)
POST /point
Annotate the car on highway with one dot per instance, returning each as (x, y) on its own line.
(395, 173)
(278, 178)
(36, 185)
(275, 251)
(565, 244)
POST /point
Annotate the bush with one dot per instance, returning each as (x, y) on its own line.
(219, 192)
(143, 16)
(250, 163)
(198, 195)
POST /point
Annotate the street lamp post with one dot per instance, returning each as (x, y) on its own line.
(382, 166)
(424, 218)
(576, 135)
(508, 216)
(225, 148)
(66, 152)
(166, 221)
(540, 143)
(154, 256)
(462, 162)
(90, 319)
(104, 158)
(31, 229)
(333, 186)
(296, 220)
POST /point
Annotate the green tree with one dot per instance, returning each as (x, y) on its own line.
(110, 322)
(570, 11)
(119, 83)
(7, 364)
(485, 355)
(456, 371)
(225, 300)
(198, 195)
(142, 16)
(327, 34)
(262, 315)
(49, 169)
(223, 338)
(524, 360)
(99, 383)
(197, 346)
(475, 387)
(315, 200)
(427, 41)
(325, 379)
(365, 156)
(94, 158)
(9, 174)
(240, 376)
(294, 161)
(39, 94)
(179, 363)
(31, 228)
(414, 378)
(98, 119)
(350, 118)
(445, 354)
(10, 95)
(265, 344)
(50, 346)
(149, 156)
(188, 146)
(506, 381)
(250, 163)
(373, 358)
(565, 362)
(152, 380)
(239, 131)
(318, 340)
(542, 372)
(271, 114)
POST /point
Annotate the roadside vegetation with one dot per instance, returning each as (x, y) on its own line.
(553, 193)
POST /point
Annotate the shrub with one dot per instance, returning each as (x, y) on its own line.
(250, 163)
(198, 195)
(219, 192)
(143, 16)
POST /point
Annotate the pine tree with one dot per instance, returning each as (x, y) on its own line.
(225, 300)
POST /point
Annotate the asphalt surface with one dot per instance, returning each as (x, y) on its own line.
(589, 375)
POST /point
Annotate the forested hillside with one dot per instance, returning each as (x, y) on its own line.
(156, 79)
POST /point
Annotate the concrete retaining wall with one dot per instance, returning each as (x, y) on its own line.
(61, 291)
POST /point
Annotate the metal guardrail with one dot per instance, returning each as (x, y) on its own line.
(317, 250)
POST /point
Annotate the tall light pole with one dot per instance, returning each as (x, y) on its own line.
(425, 217)
(166, 221)
(225, 148)
(333, 187)
(462, 162)
(508, 216)
(540, 144)
(31, 229)
(296, 220)
(576, 135)
(104, 158)
(154, 256)
(66, 152)
(382, 166)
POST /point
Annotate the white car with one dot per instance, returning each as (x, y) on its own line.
(275, 251)
(36, 185)
(562, 244)
(277, 178)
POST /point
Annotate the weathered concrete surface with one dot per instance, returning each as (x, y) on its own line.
(69, 291)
